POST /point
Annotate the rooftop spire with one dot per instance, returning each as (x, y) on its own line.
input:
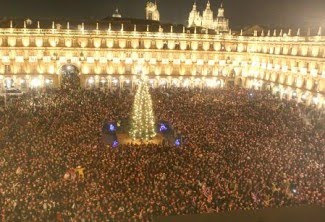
(194, 6)
(319, 31)
(274, 33)
(289, 32)
(221, 11)
(208, 4)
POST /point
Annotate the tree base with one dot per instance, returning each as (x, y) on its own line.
(125, 139)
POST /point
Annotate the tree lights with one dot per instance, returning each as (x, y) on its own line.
(142, 120)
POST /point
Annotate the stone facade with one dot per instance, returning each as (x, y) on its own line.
(290, 66)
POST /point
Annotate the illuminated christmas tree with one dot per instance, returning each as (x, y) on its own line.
(142, 120)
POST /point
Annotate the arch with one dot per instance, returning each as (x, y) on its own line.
(232, 73)
(9, 83)
(266, 86)
(127, 83)
(294, 95)
(103, 82)
(163, 82)
(176, 82)
(240, 82)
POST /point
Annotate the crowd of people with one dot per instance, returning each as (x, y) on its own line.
(242, 150)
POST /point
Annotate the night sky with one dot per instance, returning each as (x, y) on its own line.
(284, 13)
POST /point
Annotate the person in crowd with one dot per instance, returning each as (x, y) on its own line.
(241, 150)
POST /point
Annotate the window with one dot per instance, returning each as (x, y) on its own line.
(7, 69)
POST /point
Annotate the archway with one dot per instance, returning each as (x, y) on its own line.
(266, 86)
(240, 82)
(232, 74)
(70, 77)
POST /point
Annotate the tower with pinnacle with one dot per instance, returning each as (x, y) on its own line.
(207, 20)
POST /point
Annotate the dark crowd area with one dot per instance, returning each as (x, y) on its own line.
(242, 150)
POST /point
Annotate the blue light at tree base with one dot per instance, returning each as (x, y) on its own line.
(115, 144)
(177, 142)
(112, 128)
(163, 127)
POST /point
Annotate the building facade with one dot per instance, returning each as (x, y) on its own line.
(293, 67)
(207, 20)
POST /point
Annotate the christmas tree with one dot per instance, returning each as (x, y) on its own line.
(142, 120)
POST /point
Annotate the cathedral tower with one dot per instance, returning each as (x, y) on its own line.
(207, 18)
(221, 11)
(194, 17)
(152, 12)
(207, 21)
(221, 23)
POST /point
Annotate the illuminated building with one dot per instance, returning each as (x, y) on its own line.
(220, 24)
(108, 54)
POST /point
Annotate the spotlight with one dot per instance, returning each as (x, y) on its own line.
(9, 83)
(91, 81)
(316, 100)
(212, 83)
(48, 81)
(293, 188)
(69, 68)
(35, 83)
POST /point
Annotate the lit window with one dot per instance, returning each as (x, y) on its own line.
(36, 83)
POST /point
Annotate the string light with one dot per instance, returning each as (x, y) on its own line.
(143, 121)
